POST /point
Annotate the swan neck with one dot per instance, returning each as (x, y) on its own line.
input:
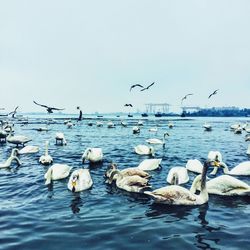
(225, 167)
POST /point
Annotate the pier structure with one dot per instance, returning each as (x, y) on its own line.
(153, 108)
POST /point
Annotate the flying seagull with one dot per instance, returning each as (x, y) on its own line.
(136, 85)
(148, 86)
(13, 112)
(215, 92)
(49, 109)
(128, 105)
(185, 97)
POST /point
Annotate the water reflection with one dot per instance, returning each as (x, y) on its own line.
(76, 203)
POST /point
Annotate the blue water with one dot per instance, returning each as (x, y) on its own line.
(33, 216)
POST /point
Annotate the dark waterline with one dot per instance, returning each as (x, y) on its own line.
(33, 216)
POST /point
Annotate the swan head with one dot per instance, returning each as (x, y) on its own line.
(112, 167)
(14, 152)
(165, 134)
(215, 158)
(113, 176)
(85, 154)
(74, 181)
(152, 151)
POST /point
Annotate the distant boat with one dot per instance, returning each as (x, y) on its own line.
(158, 114)
(183, 114)
(100, 116)
(129, 115)
(144, 115)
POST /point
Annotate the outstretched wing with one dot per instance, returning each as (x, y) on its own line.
(148, 86)
(41, 105)
(13, 112)
(56, 109)
(136, 85)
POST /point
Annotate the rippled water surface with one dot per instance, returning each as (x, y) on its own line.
(34, 216)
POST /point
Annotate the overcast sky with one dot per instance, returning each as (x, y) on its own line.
(88, 53)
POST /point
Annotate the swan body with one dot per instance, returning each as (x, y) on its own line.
(136, 130)
(18, 139)
(158, 141)
(134, 183)
(207, 127)
(153, 130)
(238, 130)
(110, 124)
(80, 180)
(177, 195)
(28, 150)
(57, 172)
(227, 186)
(149, 164)
(194, 166)
(140, 123)
(61, 138)
(8, 162)
(124, 124)
(170, 125)
(247, 137)
(177, 176)
(144, 150)
(99, 124)
(46, 159)
(93, 155)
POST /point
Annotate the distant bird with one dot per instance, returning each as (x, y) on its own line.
(13, 112)
(148, 86)
(185, 97)
(49, 109)
(128, 105)
(214, 93)
(80, 114)
(135, 85)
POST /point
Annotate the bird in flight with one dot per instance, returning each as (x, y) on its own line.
(128, 105)
(185, 97)
(215, 92)
(13, 112)
(49, 109)
(135, 85)
(148, 86)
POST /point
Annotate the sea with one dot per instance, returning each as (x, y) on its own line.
(36, 216)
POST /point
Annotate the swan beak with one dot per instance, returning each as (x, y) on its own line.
(73, 186)
(216, 163)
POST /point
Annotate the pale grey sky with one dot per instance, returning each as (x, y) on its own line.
(88, 53)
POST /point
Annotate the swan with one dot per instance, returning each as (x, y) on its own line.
(99, 124)
(69, 124)
(57, 172)
(194, 166)
(134, 183)
(46, 159)
(247, 137)
(60, 137)
(17, 139)
(238, 130)
(124, 124)
(110, 124)
(227, 185)
(177, 195)
(28, 150)
(136, 130)
(158, 141)
(80, 180)
(149, 164)
(8, 162)
(40, 129)
(248, 150)
(140, 123)
(207, 127)
(126, 171)
(144, 150)
(177, 176)
(170, 125)
(93, 155)
(154, 130)
(234, 126)
(241, 169)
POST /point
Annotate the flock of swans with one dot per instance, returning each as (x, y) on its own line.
(137, 179)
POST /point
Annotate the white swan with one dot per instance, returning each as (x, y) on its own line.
(28, 150)
(247, 137)
(227, 185)
(194, 166)
(248, 150)
(177, 176)
(144, 150)
(17, 139)
(149, 164)
(93, 155)
(99, 124)
(61, 138)
(241, 169)
(46, 159)
(110, 124)
(238, 130)
(57, 172)
(154, 130)
(158, 141)
(177, 195)
(8, 162)
(80, 180)
(140, 123)
(124, 124)
(170, 124)
(207, 127)
(136, 130)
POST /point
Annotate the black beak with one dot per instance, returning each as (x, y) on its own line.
(73, 189)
